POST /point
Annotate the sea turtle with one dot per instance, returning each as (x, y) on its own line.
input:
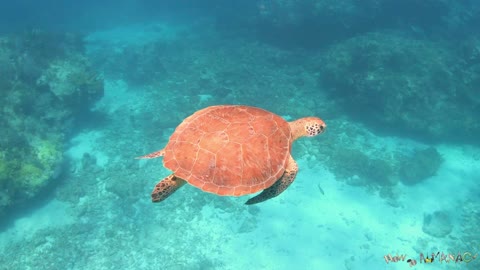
(233, 150)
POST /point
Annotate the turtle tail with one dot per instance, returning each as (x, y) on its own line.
(156, 154)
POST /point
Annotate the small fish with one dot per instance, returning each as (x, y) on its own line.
(321, 189)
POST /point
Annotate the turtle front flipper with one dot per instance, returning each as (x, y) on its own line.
(166, 187)
(279, 186)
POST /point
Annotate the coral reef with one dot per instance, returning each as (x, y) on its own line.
(357, 168)
(46, 82)
(26, 169)
(354, 155)
(421, 165)
(313, 23)
(404, 84)
(358, 157)
(437, 224)
(72, 82)
(469, 220)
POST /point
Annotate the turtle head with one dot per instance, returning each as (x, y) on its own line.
(308, 126)
(314, 126)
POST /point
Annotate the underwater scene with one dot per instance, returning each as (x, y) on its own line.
(240, 134)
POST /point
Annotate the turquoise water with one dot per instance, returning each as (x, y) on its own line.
(86, 91)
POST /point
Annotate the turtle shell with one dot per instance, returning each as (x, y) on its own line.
(230, 150)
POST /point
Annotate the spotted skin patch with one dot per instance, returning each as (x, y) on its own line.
(314, 128)
(166, 187)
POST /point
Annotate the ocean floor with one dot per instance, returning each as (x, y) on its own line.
(101, 216)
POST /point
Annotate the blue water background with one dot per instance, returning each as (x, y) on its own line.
(397, 83)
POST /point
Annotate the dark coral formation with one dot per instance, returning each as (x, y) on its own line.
(353, 156)
(405, 84)
(359, 169)
(46, 81)
(360, 158)
(313, 23)
(437, 224)
(421, 165)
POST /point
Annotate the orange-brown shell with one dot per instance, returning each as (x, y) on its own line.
(230, 150)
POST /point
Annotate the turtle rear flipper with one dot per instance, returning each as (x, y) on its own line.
(166, 187)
